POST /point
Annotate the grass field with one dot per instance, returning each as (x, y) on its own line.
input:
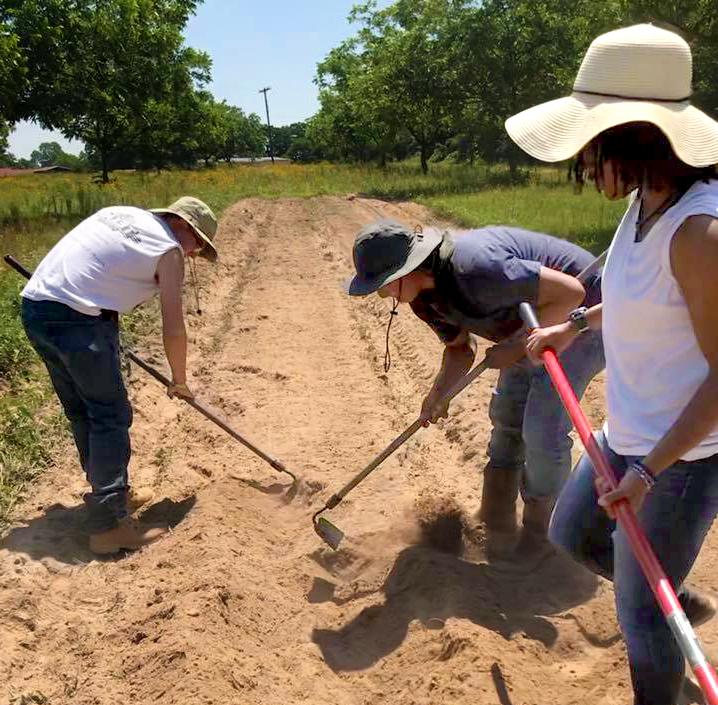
(36, 210)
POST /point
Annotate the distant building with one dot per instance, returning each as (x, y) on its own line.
(258, 160)
(51, 169)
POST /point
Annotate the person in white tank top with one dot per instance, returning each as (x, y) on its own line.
(108, 264)
(633, 131)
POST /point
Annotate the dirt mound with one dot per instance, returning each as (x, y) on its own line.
(441, 522)
(242, 603)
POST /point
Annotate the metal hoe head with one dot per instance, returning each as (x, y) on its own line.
(327, 532)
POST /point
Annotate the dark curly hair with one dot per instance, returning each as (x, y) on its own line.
(641, 154)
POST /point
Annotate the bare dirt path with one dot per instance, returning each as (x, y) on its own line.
(242, 603)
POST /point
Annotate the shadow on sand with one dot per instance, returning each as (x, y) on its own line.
(61, 532)
(431, 587)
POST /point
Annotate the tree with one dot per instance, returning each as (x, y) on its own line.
(7, 159)
(13, 69)
(13, 80)
(99, 66)
(243, 135)
(284, 135)
(533, 56)
(47, 154)
(169, 130)
(398, 73)
(51, 154)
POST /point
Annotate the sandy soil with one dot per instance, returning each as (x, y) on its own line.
(242, 603)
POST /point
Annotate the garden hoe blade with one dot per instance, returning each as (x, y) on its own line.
(327, 532)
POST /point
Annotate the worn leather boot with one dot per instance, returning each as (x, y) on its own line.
(137, 498)
(498, 509)
(533, 545)
(128, 535)
(698, 606)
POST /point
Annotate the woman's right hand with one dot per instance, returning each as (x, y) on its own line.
(558, 337)
(430, 411)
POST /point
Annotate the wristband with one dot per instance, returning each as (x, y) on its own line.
(644, 472)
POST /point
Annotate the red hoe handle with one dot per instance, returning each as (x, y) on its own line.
(662, 589)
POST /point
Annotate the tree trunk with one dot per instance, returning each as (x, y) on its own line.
(105, 169)
(513, 168)
(424, 159)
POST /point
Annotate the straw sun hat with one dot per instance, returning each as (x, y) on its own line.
(200, 217)
(636, 74)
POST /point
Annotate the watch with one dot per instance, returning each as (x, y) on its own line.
(578, 319)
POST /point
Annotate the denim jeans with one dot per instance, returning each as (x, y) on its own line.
(530, 431)
(82, 356)
(676, 516)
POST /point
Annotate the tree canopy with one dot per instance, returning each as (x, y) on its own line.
(116, 75)
(434, 78)
(447, 73)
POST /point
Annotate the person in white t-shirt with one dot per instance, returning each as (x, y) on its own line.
(635, 132)
(111, 262)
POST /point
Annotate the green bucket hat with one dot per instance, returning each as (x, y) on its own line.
(385, 251)
(200, 216)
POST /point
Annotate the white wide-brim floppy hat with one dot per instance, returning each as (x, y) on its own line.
(635, 74)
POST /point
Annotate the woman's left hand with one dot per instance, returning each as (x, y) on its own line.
(631, 488)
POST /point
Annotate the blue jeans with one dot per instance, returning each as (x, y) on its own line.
(82, 356)
(676, 517)
(530, 431)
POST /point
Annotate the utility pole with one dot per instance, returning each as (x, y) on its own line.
(269, 126)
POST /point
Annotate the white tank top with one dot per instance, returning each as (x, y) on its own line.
(108, 261)
(653, 362)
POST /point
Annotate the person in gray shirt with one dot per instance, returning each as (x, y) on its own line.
(470, 283)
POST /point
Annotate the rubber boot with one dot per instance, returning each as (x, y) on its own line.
(498, 509)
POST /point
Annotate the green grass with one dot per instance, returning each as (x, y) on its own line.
(36, 210)
(587, 219)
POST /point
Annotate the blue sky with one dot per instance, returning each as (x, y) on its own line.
(253, 44)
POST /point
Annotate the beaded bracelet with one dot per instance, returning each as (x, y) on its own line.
(644, 472)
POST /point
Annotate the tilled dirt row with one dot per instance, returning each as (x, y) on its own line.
(242, 603)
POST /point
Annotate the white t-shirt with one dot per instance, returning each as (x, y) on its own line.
(654, 364)
(107, 262)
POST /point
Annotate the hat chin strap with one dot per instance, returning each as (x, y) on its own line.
(193, 274)
(392, 313)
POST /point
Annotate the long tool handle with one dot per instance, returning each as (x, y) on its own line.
(208, 414)
(166, 382)
(12, 262)
(662, 589)
(464, 382)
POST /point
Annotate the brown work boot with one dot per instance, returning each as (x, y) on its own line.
(137, 498)
(498, 509)
(127, 535)
(698, 606)
(533, 545)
